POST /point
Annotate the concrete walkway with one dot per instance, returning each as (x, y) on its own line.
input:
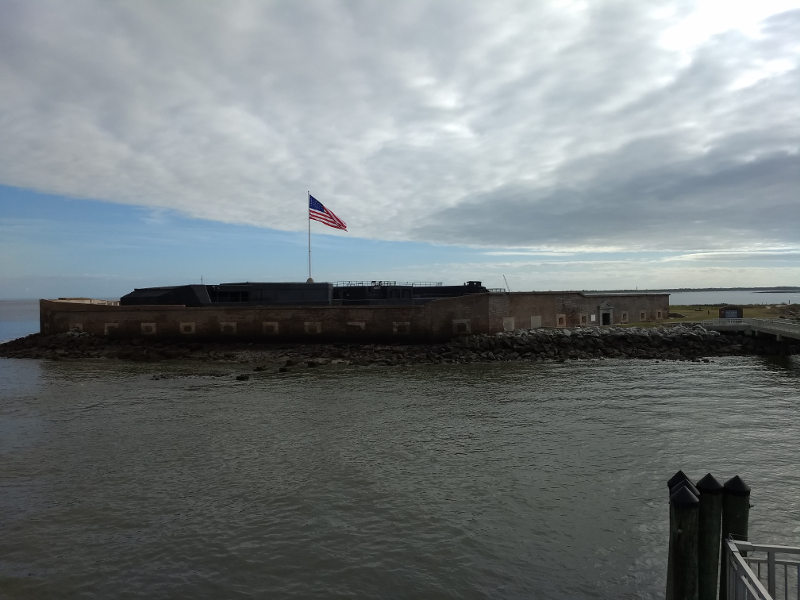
(780, 328)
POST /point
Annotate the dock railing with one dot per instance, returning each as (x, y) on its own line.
(777, 327)
(761, 571)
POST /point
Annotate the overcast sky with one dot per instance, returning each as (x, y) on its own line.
(564, 144)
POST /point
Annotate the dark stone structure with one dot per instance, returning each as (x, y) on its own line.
(386, 293)
(430, 319)
(233, 294)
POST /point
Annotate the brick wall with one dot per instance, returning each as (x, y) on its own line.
(436, 320)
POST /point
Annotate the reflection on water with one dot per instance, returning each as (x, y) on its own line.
(785, 365)
(509, 480)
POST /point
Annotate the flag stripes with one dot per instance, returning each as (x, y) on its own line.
(317, 212)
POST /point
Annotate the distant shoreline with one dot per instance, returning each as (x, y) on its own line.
(780, 289)
(757, 290)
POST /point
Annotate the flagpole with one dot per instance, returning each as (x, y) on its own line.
(308, 216)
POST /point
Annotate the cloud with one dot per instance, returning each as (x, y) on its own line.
(659, 207)
(773, 256)
(626, 124)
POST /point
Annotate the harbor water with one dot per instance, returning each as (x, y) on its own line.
(504, 480)
(18, 318)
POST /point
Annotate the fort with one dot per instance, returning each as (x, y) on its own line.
(352, 312)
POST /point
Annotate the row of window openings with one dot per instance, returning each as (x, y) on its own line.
(400, 327)
(561, 320)
(267, 327)
(642, 316)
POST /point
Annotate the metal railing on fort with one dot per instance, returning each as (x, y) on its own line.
(387, 283)
(762, 572)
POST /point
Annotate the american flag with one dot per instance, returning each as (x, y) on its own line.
(317, 212)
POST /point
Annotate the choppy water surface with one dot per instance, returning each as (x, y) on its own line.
(499, 480)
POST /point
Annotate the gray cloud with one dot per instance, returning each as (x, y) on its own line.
(672, 207)
(517, 124)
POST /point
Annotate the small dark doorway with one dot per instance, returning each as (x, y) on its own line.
(606, 312)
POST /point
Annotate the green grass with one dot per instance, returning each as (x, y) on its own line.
(692, 313)
(695, 313)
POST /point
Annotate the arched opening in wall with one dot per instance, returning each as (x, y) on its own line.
(642, 315)
(561, 320)
(623, 318)
(606, 312)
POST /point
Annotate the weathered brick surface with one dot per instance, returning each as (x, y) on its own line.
(436, 320)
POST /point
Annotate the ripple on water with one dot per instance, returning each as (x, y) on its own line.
(468, 481)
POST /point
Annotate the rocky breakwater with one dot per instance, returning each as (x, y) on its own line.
(678, 342)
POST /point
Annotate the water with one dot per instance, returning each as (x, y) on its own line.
(500, 480)
(18, 318)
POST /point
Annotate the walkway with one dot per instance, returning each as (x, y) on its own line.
(780, 328)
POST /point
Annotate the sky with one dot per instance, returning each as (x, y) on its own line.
(548, 145)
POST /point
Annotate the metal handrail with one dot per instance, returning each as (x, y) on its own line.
(771, 326)
(745, 584)
(733, 321)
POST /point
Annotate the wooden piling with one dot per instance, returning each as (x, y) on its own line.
(679, 476)
(709, 529)
(684, 508)
(735, 517)
(671, 483)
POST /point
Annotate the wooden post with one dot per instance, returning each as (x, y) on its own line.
(735, 517)
(671, 483)
(683, 542)
(709, 527)
(679, 476)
